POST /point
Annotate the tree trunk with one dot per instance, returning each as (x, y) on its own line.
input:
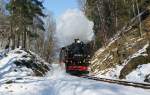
(18, 41)
(24, 41)
(13, 42)
(12, 37)
(140, 24)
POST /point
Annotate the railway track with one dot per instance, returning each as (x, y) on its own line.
(121, 82)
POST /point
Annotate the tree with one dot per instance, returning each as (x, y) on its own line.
(43, 42)
(2, 6)
(22, 14)
(82, 4)
(110, 16)
(30, 28)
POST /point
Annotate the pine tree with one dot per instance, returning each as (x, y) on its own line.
(22, 14)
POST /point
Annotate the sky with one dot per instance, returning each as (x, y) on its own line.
(58, 7)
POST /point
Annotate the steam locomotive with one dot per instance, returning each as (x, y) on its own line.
(76, 58)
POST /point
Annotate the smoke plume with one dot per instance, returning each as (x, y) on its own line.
(71, 25)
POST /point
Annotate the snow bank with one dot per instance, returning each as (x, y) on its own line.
(140, 73)
(71, 25)
(112, 73)
(9, 71)
(18, 64)
(137, 75)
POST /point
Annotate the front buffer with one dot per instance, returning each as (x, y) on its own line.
(77, 67)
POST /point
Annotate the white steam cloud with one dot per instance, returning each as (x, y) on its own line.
(71, 25)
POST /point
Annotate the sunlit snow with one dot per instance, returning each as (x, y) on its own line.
(57, 82)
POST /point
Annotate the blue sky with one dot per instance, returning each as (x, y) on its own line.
(58, 7)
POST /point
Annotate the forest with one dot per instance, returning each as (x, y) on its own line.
(27, 24)
(112, 16)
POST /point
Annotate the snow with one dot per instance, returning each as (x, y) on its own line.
(56, 82)
(112, 73)
(140, 73)
(141, 51)
(68, 86)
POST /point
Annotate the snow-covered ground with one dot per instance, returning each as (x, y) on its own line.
(140, 73)
(57, 82)
(19, 81)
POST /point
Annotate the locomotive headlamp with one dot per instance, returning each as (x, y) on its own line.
(78, 41)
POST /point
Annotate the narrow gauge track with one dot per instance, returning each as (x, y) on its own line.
(121, 82)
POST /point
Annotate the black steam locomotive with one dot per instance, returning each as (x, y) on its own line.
(76, 58)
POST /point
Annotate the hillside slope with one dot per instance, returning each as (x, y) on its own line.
(125, 57)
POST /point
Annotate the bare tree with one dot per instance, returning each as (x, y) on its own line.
(43, 43)
(82, 4)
